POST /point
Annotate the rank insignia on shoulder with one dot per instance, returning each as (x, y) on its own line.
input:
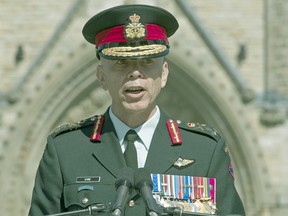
(192, 194)
(201, 129)
(180, 162)
(71, 126)
(66, 126)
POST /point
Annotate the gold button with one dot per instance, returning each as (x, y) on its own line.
(131, 203)
(85, 200)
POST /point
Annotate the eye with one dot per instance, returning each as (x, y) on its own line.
(121, 62)
(147, 61)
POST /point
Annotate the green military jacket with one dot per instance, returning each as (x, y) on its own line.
(70, 157)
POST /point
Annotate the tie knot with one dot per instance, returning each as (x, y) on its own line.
(131, 135)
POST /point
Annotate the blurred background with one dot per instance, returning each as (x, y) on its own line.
(228, 68)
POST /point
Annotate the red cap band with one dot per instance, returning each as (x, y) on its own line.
(116, 35)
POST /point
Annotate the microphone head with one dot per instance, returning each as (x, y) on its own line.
(142, 178)
(125, 177)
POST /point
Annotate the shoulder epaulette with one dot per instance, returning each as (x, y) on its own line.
(73, 126)
(201, 129)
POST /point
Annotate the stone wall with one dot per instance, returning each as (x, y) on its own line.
(28, 24)
(277, 45)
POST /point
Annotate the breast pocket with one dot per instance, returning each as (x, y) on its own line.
(79, 196)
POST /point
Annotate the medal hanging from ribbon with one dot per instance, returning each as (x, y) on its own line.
(191, 193)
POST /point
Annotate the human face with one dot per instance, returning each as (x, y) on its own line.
(133, 84)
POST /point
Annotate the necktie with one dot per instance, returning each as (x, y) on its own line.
(130, 153)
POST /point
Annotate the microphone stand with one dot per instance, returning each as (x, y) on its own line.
(93, 209)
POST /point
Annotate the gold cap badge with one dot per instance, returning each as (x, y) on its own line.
(135, 30)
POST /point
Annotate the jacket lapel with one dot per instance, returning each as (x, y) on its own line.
(160, 158)
(162, 154)
(108, 151)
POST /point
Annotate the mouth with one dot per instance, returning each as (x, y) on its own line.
(134, 90)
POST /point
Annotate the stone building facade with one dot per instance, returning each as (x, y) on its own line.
(47, 75)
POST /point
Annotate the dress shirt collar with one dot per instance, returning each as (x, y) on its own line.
(144, 131)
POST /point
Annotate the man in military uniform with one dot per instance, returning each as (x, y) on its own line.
(82, 161)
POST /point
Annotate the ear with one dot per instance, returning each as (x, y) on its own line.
(101, 77)
(165, 73)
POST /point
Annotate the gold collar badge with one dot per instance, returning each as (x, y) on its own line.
(135, 30)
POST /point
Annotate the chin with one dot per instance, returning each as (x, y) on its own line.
(137, 107)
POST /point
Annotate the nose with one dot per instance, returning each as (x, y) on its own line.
(135, 73)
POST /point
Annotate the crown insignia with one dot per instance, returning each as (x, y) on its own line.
(135, 30)
(134, 18)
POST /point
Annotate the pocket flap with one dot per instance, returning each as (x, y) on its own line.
(84, 195)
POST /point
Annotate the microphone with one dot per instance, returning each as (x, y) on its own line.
(124, 185)
(144, 186)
